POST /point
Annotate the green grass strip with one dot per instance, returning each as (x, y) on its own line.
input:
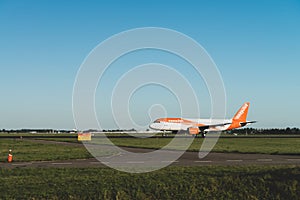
(258, 182)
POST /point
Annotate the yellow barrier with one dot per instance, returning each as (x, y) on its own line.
(84, 137)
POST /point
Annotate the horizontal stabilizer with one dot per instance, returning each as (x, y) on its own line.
(245, 123)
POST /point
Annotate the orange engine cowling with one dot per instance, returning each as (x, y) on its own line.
(193, 130)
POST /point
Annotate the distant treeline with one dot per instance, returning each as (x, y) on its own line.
(272, 131)
(36, 131)
(62, 131)
(110, 130)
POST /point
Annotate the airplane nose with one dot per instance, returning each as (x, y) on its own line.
(154, 126)
(151, 126)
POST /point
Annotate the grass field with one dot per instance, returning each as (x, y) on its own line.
(237, 145)
(169, 183)
(229, 144)
(24, 150)
(27, 150)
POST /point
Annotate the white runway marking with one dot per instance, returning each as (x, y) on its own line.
(135, 162)
(69, 163)
(99, 163)
(295, 159)
(15, 164)
(264, 160)
(234, 160)
(203, 161)
(95, 162)
(170, 161)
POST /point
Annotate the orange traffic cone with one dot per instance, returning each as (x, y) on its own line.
(9, 157)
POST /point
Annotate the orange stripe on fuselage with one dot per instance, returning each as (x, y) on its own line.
(180, 121)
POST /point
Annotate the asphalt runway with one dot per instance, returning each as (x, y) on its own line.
(187, 159)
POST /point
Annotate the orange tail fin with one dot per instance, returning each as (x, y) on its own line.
(242, 113)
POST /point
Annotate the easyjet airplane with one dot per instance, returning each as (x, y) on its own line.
(202, 126)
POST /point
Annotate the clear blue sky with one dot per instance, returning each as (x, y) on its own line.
(254, 43)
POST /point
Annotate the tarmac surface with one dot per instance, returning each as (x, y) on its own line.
(187, 159)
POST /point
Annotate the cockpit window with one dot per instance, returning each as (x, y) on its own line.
(157, 121)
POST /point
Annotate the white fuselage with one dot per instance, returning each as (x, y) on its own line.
(197, 126)
(184, 125)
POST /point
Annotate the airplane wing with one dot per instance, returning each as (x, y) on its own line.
(203, 128)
